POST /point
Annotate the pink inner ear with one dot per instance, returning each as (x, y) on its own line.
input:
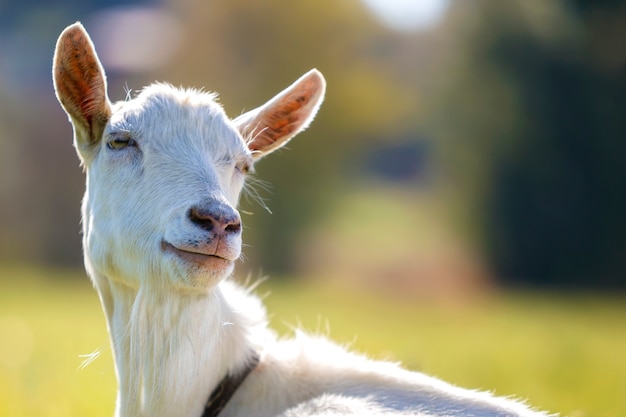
(287, 114)
(79, 78)
(280, 123)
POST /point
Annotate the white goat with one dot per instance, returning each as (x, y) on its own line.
(161, 235)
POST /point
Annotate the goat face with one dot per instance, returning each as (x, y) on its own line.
(162, 186)
(165, 170)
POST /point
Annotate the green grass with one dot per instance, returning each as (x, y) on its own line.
(565, 353)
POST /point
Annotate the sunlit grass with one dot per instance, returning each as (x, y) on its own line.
(60, 320)
(565, 353)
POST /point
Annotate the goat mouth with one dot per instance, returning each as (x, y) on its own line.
(201, 259)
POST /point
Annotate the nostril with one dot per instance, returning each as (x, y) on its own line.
(234, 227)
(220, 219)
(201, 218)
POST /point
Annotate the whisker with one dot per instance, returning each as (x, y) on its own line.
(251, 191)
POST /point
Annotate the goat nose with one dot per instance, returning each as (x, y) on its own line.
(218, 219)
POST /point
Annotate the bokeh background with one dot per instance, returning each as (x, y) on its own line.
(465, 141)
(466, 149)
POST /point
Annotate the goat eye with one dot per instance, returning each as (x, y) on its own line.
(243, 167)
(120, 142)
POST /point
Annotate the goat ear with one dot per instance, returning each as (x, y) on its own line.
(270, 126)
(80, 85)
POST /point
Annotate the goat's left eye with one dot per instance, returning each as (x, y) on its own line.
(121, 142)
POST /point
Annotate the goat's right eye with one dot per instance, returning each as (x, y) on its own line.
(120, 142)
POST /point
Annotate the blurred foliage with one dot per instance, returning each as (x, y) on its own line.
(541, 140)
(508, 114)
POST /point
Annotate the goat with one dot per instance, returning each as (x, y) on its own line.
(161, 234)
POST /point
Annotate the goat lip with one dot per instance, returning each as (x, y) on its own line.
(199, 258)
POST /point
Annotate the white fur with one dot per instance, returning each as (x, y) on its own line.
(178, 327)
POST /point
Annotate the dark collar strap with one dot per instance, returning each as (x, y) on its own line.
(227, 388)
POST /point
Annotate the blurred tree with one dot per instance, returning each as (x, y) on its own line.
(543, 90)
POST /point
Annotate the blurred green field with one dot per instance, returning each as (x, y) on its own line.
(565, 353)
